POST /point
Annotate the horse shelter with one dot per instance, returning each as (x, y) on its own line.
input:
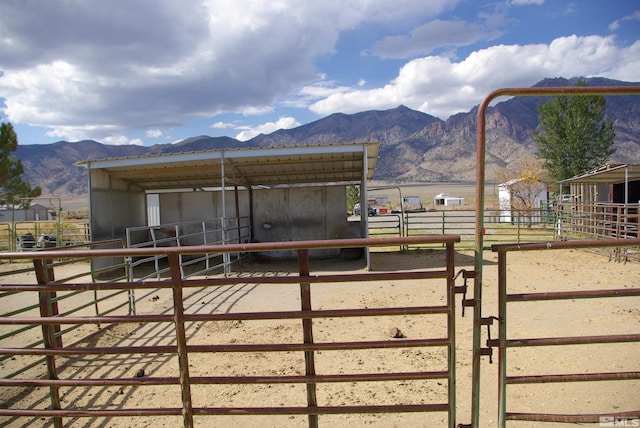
(227, 196)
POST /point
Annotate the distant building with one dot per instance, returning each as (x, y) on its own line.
(610, 184)
(35, 212)
(609, 196)
(446, 200)
(506, 193)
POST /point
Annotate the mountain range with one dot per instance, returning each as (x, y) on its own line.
(414, 146)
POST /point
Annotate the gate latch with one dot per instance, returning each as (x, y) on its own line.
(462, 289)
(488, 321)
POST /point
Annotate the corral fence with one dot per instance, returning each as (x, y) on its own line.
(566, 221)
(175, 337)
(598, 221)
(218, 231)
(518, 225)
(66, 316)
(50, 303)
(28, 235)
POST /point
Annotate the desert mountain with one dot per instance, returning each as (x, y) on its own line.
(414, 146)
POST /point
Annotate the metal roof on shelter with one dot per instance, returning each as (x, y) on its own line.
(244, 167)
(608, 174)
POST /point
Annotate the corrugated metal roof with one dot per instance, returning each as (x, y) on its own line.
(244, 167)
(608, 174)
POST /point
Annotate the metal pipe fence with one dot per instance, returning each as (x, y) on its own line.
(172, 338)
(479, 244)
(516, 226)
(26, 303)
(570, 298)
(219, 231)
(598, 221)
(26, 235)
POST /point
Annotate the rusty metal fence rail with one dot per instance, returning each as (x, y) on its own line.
(569, 297)
(178, 346)
(14, 304)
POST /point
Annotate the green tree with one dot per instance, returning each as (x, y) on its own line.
(13, 191)
(575, 135)
(353, 196)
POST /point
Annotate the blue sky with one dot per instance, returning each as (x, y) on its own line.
(149, 72)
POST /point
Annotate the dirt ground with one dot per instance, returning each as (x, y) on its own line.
(548, 270)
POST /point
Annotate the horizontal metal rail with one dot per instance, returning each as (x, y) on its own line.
(583, 377)
(233, 411)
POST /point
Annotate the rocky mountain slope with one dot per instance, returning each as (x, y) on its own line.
(414, 146)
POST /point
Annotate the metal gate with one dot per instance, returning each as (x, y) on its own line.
(175, 336)
(571, 299)
(480, 321)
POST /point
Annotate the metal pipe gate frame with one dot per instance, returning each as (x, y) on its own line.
(476, 303)
(503, 342)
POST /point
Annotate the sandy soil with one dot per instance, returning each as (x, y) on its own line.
(527, 271)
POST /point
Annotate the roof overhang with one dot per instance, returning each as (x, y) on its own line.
(608, 174)
(334, 163)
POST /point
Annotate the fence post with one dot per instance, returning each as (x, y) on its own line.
(307, 328)
(451, 332)
(181, 339)
(49, 308)
(502, 337)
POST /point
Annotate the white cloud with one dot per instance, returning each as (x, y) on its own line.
(223, 125)
(256, 110)
(80, 69)
(615, 25)
(267, 128)
(433, 35)
(122, 140)
(442, 87)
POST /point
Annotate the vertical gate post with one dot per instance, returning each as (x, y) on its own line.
(49, 308)
(451, 332)
(502, 338)
(307, 328)
(181, 339)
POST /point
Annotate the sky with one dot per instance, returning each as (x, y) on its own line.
(154, 72)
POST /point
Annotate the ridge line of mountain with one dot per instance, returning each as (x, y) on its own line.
(414, 146)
